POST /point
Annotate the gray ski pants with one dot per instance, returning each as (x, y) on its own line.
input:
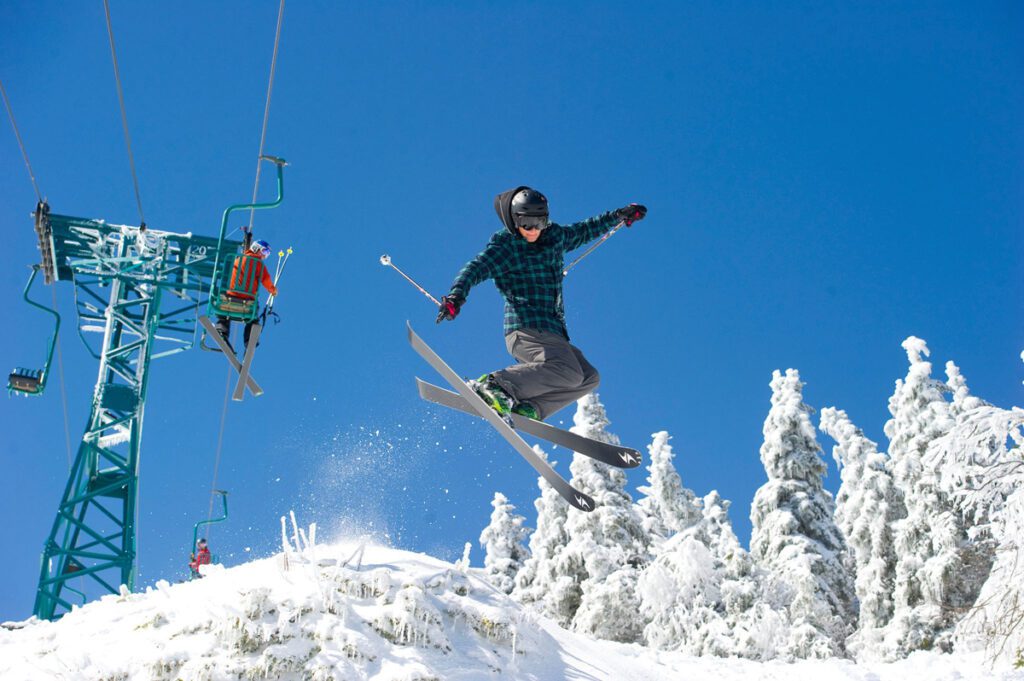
(551, 372)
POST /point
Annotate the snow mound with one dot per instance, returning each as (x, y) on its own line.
(398, 616)
(333, 612)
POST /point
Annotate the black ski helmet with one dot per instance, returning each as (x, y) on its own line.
(527, 206)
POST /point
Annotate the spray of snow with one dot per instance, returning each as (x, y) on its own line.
(342, 465)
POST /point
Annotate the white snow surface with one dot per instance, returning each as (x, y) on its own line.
(400, 617)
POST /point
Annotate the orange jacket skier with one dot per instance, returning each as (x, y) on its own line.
(247, 273)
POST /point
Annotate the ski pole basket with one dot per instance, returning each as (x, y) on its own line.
(24, 381)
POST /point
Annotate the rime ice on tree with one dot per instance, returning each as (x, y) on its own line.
(666, 507)
(867, 505)
(979, 464)
(794, 536)
(540, 582)
(703, 595)
(502, 540)
(932, 545)
(606, 547)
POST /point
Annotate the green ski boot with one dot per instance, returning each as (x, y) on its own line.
(493, 394)
(526, 409)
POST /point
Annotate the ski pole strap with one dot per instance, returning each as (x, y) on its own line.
(590, 250)
(268, 311)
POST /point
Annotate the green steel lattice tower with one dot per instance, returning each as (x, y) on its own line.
(143, 290)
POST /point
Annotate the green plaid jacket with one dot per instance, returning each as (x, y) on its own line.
(529, 276)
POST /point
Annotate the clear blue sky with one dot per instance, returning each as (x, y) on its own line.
(824, 179)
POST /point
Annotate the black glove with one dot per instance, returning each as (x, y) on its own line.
(449, 309)
(631, 213)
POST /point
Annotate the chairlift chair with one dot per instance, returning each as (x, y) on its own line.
(230, 297)
(214, 558)
(32, 382)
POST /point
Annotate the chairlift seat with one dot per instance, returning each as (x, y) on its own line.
(233, 295)
(33, 381)
(232, 307)
(28, 381)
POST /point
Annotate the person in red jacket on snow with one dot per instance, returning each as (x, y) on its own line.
(200, 557)
(248, 273)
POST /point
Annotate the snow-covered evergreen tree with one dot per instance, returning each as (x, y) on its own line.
(939, 569)
(666, 507)
(540, 582)
(608, 546)
(963, 401)
(794, 535)
(996, 622)
(502, 539)
(867, 505)
(754, 603)
(681, 597)
(979, 463)
(703, 594)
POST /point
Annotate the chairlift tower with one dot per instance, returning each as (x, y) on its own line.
(143, 290)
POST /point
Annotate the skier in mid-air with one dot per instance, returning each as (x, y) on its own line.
(526, 261)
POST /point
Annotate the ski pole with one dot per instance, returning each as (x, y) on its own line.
(386, 261)
(282, 260)
(591, 249)
(277, 266)
(268, 309)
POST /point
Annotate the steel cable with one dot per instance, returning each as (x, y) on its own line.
(266, 110)
(24, 154)
(220, 444)
(124, 114)
(39, 197)
(252, 211)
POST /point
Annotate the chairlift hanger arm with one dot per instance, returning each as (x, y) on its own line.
(280, 163)
(195, 530)
(220, 256)
(36, 381)
(35, 271)
(274, 159)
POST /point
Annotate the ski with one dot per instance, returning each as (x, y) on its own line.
(613, 455)
(576, 499)
(212, 331)
(243, 371)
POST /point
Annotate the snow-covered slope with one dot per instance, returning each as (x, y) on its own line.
(397, 616)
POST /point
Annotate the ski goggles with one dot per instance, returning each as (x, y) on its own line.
(530, 223)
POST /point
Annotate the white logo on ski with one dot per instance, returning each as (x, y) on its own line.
(581, 502)
(627, 458)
